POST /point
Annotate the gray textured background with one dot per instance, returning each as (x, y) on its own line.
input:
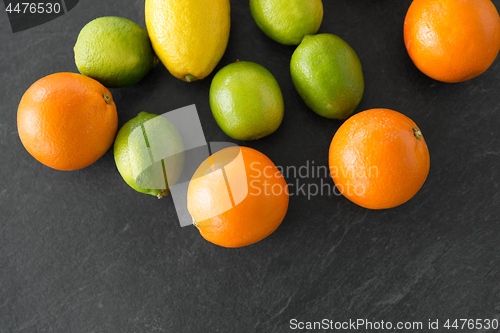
(82, 252)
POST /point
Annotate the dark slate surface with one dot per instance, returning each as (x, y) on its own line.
(82, 252)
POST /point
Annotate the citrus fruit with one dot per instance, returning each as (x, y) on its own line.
(114, 51)
(237, 197)
(67, 121)
(149, 154)
(246, 101)
(379, 159)
(287, 21)
(189, 36)
(327, 75)
(454, 40)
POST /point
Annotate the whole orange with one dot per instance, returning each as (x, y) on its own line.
(67, 121)
(452, 40)
(237, 197)
(379, 159)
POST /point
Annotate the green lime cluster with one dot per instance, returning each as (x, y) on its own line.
(245, 98)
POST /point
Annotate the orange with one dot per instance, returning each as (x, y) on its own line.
(379, 159)
(452, 40)
(67, 121)
(237, 197)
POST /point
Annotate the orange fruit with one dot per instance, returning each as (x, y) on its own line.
(67, 121)
(379, 159)
(452, 40)
(237, 197)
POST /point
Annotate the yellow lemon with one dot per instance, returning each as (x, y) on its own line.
(189, 36)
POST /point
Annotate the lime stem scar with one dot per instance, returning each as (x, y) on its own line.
(190, 78)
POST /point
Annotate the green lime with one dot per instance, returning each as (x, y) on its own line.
(149, 154)
(327, 75)
(115, 51)
(287, 21)
(246, 101)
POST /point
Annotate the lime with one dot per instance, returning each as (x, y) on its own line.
(287, 21)
(327, 75)
(115, 51)
(149, 154)
(246, 101)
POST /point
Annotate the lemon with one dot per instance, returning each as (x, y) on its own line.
(189, 36)
(114, 51)
(149, 154)
(287, 21)
(327, 75)
(246, 101)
